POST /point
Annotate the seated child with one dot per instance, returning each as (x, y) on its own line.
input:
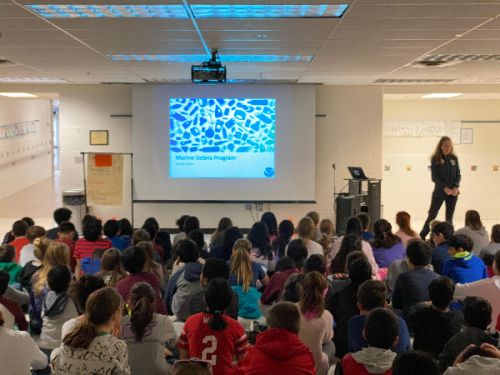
(185, 282)
(381, 332)
(79, 291)
(12, 311)
(477, 317)
(441, 234)
(19, 352)
(57, 308)
(19, 229)
(92, 240)
(279, 348)
(8, 264)
(412, 286)
(112, 231)
(111, 268)
(134, 260)
(316, 323)
(244, 279)
(146, 333)
(92, 347)
(296, 255)
(31, 267)
(372, 294)
(28, 251)
(475, 359)
(415, 363)
(464, 266)
(66, 234)
(212, 335)
(212, 269)
(435, 324)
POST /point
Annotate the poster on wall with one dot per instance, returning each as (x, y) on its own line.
(105, 180)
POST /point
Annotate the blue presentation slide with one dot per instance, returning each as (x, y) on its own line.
(222, 137)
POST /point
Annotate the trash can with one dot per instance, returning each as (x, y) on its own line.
(74, 199)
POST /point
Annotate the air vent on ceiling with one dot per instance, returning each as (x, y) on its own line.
(440, 60)
(411, 81)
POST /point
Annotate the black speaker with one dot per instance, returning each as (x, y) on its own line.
(347, 206)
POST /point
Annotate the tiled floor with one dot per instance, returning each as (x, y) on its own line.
(37, 202)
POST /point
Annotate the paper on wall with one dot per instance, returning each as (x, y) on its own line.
(104, 181)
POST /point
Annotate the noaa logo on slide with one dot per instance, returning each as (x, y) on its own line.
(269, 172)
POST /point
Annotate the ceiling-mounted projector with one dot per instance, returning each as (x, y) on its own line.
(211, 71)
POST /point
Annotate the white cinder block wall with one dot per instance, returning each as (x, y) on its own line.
(25, 172)
(411, 189)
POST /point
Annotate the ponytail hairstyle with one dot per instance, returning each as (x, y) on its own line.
(312, 295)
(241, 263)
(403, 221)
(384, 238)
(218, 296)
(57, 254)
(142, 305)
(99, 309)
(41, 244)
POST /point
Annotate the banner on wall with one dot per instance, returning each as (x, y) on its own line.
(105, 180)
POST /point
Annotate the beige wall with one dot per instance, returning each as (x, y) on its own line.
(411, 189)
(350, 134)
(24, 172)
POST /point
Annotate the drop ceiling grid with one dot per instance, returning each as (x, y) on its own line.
(375, 38)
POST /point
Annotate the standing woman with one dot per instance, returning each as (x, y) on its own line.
(446, 177)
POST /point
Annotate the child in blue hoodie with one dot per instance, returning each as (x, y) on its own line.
(463, 267)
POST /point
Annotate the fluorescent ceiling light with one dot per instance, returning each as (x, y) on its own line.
(441, 95)
(201, 58)
(199, 10)
(31, 80)
(268, 11)
(17, 95)
(109, 11)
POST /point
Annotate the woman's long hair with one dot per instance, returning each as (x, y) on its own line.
(285, 231)
(438, 155)
(384, 238)
(351, 242)
(312, 293)
(241, 264)
(57, 254)
(403, 220)
(99, 309)
(142, 306)
(259, 237)
(218, 296)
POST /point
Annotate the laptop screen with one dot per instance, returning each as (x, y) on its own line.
(357, 173)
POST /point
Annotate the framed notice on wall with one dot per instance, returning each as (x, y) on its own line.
(99, 137)
(466, 136)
